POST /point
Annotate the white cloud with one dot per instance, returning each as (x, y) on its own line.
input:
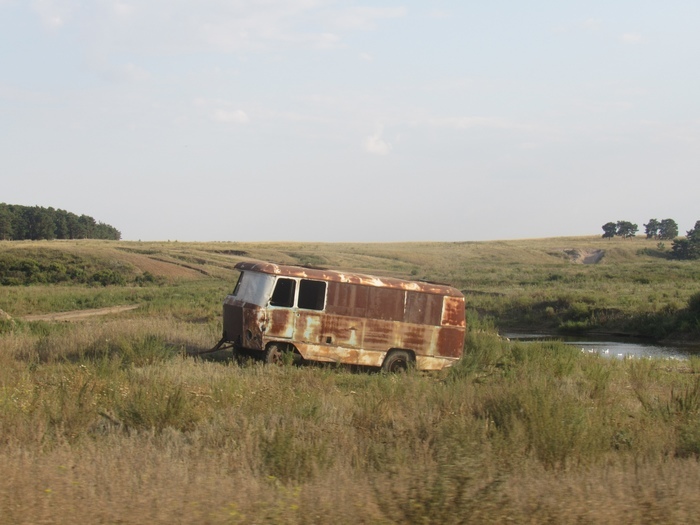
(478, 122)
(367, 57)
(221, 111)
(376, 145)
(363, 17)
(165, 27)
(236, 116)
(127, 72)
(53, 13)
(123, 9)
(592, 24)
(439, 13)
(630, 38)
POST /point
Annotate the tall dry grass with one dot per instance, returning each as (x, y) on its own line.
(108, 421)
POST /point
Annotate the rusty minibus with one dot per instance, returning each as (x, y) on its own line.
(341, 317)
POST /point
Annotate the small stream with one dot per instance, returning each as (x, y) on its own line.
(615, 347)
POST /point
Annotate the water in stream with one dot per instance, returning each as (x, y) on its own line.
(616, 348)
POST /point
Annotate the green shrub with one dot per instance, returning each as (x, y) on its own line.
(107, 277)
(694, 305)
(156, 405)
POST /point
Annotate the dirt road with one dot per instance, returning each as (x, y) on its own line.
(77, 315)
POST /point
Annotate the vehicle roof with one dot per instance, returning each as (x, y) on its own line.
(348, 277)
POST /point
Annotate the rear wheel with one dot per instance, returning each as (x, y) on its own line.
(397, 362)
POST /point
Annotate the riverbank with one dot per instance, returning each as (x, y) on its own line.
(609, 345)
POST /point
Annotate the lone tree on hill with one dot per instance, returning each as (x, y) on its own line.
(652, 229)
(609, 229)
(626, 229)
(668, 229)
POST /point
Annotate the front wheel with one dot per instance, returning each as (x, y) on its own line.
(274, 355)
(281, 354)
(397, 362)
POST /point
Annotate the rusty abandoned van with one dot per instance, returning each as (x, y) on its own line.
(333, 316)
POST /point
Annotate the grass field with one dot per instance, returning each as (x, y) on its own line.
(106, 420)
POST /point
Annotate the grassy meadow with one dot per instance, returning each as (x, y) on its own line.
(109, 420)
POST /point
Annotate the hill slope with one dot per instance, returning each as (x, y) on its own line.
(571, 283)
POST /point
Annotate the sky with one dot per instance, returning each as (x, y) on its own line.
(344, 120)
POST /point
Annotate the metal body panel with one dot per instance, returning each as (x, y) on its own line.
(352, 318)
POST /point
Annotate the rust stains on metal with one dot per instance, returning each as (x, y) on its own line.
(344, 317)
(346, 277)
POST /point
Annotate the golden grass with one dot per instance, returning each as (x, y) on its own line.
(108, 421)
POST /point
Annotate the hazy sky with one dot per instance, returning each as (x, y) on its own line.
(343, 120)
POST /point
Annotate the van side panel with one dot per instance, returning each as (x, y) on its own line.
(418, 338)
(423, 308)
(450, 341)
(343, 331)
(386, 304)
(339, 354)
(453, 312)
(347, 299)
(281, 323)
(309, 326)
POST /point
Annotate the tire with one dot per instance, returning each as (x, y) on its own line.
(274, 355)
(397, 362)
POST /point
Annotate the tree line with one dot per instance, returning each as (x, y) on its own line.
(36, 222)
(666, 229)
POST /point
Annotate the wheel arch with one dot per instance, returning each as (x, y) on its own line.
(394, 354)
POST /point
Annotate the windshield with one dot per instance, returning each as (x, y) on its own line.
(254, 287)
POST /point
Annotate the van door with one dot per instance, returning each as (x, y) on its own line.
(310, 311)
(281, 309)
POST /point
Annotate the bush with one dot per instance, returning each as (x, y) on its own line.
(107, 277)
(694, 305)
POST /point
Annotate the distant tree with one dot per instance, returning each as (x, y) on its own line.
(20, 227)
(105, 231)
(75, 229)
(609, 230)
(60, 219)
(652, 229)
(5, 222)
(42, 225)
(626, 229)
(36, 222)
(668, 229)
(680, 249)
(688, 248)
(89, 226)
(694, 234)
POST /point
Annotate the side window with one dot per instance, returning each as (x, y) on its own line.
(312, 294)
(284, 293)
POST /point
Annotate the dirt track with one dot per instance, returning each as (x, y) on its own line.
(77, 315)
